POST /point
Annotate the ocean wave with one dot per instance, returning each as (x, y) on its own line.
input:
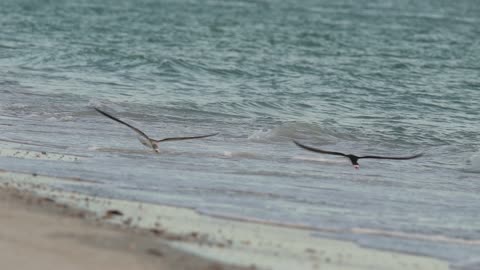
(473, 164)
(344, 229)
(416, 236)
(302, 131)
(471, 264)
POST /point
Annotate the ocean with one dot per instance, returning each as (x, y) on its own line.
(391, 77)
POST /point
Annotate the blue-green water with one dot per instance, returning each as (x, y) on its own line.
(377, 77)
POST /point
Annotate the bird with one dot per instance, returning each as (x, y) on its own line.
(353, 158)
(145, 139)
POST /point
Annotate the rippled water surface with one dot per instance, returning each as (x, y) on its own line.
(367, 77)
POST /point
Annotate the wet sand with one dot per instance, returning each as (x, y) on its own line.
(37, 233)
(55, 229)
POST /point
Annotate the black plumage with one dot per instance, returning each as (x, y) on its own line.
(353, 158)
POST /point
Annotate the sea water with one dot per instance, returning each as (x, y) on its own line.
(364, 77)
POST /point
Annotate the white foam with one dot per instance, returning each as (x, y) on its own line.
(261, 135)
(319, 159)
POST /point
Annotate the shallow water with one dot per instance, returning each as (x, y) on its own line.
(376, 77)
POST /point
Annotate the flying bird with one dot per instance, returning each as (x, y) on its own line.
(147, 141)
(353, 158)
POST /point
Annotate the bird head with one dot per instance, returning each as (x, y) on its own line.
(155, 147)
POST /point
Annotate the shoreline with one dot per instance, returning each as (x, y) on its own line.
(38, 233)
(173, 232)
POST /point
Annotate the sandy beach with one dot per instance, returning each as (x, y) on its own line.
(62, 230)
(37, 233)
(291, 90)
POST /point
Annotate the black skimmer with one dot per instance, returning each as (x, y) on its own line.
(147, 141)
(353, 158)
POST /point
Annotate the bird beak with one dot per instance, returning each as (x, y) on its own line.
(356, 167)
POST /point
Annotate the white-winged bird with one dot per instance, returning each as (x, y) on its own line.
(147, 141)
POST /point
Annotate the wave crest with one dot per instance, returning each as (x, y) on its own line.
(300, 131)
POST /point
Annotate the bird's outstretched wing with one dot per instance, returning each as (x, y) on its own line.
(141, 133)
(185, 138)
(399, 158)
(309, 148)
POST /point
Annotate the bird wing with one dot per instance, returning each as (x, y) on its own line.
(185, 138)
(318, 150)
(399, 158)
(122, 122)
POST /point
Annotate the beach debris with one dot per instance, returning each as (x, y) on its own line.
(46, 200)
(157, 231)
(155, 252)
(127, 222)
(111, 213)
